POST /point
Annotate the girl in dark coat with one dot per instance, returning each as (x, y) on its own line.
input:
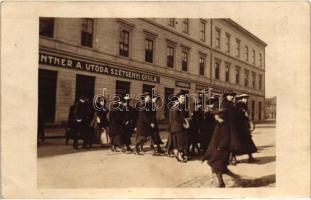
(243, 127)
(178, 141)
(220, 147)
(115, 126)
(145, 123)
(155, 136)
(100, 119)
(129, 123)
(83, 114)
(207, 125)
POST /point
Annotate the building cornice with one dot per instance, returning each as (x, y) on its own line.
(240, 28)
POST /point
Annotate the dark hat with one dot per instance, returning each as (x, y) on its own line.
(212, 101)
(180, 93)
(241, 96)
(229, 93)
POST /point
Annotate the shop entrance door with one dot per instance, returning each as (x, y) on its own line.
(47, 94)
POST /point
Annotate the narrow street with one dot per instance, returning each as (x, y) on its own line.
(60, 166)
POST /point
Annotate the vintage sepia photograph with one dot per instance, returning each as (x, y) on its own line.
(154, 103)
(155, 99)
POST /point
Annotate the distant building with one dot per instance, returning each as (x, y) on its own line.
(270, 108)
(84, 55)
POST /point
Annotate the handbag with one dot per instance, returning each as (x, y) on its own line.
(104, 137)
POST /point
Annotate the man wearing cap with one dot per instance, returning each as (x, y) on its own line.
(129, 123)
(243, 127)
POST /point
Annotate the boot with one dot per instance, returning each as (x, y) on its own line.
(221, 183)
(251, 159)
(159, 150)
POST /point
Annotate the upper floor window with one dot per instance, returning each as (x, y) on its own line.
(246, 73)
(170, 56)
(253, 56)
(227, 72)
(184, 61)
(87, 32)
(149, 50)
(217, 70)
(124, 43)
(202, 30)
(238, 47)
(260, 60)
(253, 79)
(217, 38)
(186, 26)
(228, 42)
(46, 26)
(246, 53)
(171, 22)
(202, 66)
(260, 81)
(237, 74)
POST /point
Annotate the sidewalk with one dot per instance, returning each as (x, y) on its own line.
(61, 166)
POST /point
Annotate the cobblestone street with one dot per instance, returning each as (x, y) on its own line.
(60, 166)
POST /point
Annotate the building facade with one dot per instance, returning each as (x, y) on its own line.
(83, 55)
(270, 108)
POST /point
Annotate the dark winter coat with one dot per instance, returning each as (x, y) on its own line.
(178, 138)
(115, 126)
(218, 151)
(206, 126)
(129, 123)
(231, 119)
(245, 137)
(144, 121)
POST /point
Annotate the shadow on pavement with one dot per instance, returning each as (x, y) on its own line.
(264, 147)
(268, 180)
(261, 160)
